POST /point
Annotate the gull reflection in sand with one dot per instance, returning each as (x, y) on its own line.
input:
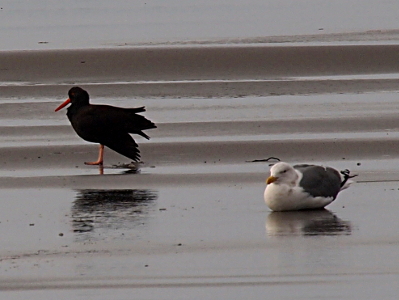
(107, 212)
(306, 223)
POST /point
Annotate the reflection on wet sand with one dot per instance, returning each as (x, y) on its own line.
(131, 168)
(99, 210)
(306, 223)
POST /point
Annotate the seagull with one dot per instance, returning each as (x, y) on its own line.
(304, 186)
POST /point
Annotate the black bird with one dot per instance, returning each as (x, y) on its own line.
(107, 125)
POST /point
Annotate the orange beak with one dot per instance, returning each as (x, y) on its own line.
(271, 179)
(67, 101)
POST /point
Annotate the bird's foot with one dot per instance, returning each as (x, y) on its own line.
(94, 163)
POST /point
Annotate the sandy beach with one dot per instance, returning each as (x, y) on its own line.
(191, 223)
(229, 85)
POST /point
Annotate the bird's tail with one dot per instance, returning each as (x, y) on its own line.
(346, 182)
(138, 123)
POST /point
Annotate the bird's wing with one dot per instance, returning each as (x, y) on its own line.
(124, 119)
(319, 181)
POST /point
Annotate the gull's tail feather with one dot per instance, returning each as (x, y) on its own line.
(346, 182)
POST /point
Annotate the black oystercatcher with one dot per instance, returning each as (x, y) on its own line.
(107, 125)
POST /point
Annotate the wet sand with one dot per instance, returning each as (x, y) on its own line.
(191, 223)
(201, 71)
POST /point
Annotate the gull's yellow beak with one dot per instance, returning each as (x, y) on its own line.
(271, 179)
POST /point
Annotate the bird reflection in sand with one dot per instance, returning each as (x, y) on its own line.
(104, 212)
(306, 223)
(131, 168)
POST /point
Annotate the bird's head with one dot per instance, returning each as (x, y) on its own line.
(77, 96)
(282, 173)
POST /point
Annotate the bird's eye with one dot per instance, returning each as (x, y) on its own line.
(285, 171)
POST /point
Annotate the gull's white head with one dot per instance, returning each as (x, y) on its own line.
(282, 173)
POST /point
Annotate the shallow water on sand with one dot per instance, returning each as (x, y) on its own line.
(92, 24)
(179, 239)
(192, 222)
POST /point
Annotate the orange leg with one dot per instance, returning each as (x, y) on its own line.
(100, 157)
